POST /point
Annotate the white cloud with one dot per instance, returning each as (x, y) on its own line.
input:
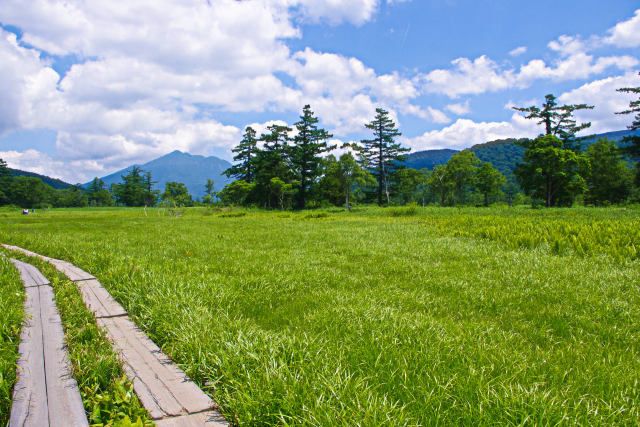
(481, 75)
(575, 66)
(468, 77)
(25, 84)
(464, 133)
(626, 33)
(518, 51)
(336, 11)
(35, 161)
(460, 108)
(606, 100)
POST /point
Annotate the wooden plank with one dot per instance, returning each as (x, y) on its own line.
(63, 395)
(155, 394)
(99, 300)
(29, 406)
(30, 275)
(208, 419)
(71, 271)
(27, 280)
(186, 392)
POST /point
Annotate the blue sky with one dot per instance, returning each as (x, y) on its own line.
(90, 88)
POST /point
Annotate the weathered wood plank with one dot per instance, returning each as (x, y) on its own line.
(26, 252)
(63, 395)
(208, 419)
(74, 273)
(26, 278)
(186, 391)
(29, 406)
(155, 394)
(30, 275)
(99, 300)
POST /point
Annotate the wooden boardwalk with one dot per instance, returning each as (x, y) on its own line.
(45, 393)
(171, 398)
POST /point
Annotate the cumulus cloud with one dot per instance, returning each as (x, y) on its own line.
(626, 33)
(574, 61)
(35, 161)
(465, 132)
(24, 83)
(460, 108)
(607, 101)
(337, 11)
(468, 77)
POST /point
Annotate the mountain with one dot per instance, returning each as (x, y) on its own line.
(429, 158)
(53, 182)
(503, 154)
(192, 170)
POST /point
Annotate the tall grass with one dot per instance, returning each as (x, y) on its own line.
(11, 317)
(367, 319)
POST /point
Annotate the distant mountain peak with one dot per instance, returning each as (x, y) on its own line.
(192, 170)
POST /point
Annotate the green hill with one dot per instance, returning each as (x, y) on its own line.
(53, 182)
(503, 154)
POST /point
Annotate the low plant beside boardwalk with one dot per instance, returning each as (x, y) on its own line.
(414, 316)
(11, 317)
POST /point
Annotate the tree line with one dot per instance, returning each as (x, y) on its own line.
(287, 169)
(277, 170)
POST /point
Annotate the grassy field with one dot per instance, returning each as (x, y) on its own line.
(400, 316)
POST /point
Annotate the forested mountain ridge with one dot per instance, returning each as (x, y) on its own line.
(503, 154)
(56, 183)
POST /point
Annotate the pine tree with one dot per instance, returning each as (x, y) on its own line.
(381, 154)
(150, 195)
(246, 152)
(272, 162)
(310, 143)
(557, 119)
(633, 141)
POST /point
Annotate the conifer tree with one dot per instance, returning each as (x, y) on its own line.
(381, 154)
(557, 119)
(272, 162)
(246, 152)
(310, 143)
(633, 141)
(150, 195)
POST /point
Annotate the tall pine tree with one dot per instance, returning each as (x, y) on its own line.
(382, 154)
(246, 152)
(557, 119)
(633, 142)
(272, 162)
(310, 143)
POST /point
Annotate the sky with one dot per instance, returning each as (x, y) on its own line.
(88, 88)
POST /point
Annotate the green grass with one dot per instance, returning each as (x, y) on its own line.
(433, 316)
(11, 317)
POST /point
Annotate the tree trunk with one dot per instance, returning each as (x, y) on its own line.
(386, 189)
(347, 200)
(549, 200)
